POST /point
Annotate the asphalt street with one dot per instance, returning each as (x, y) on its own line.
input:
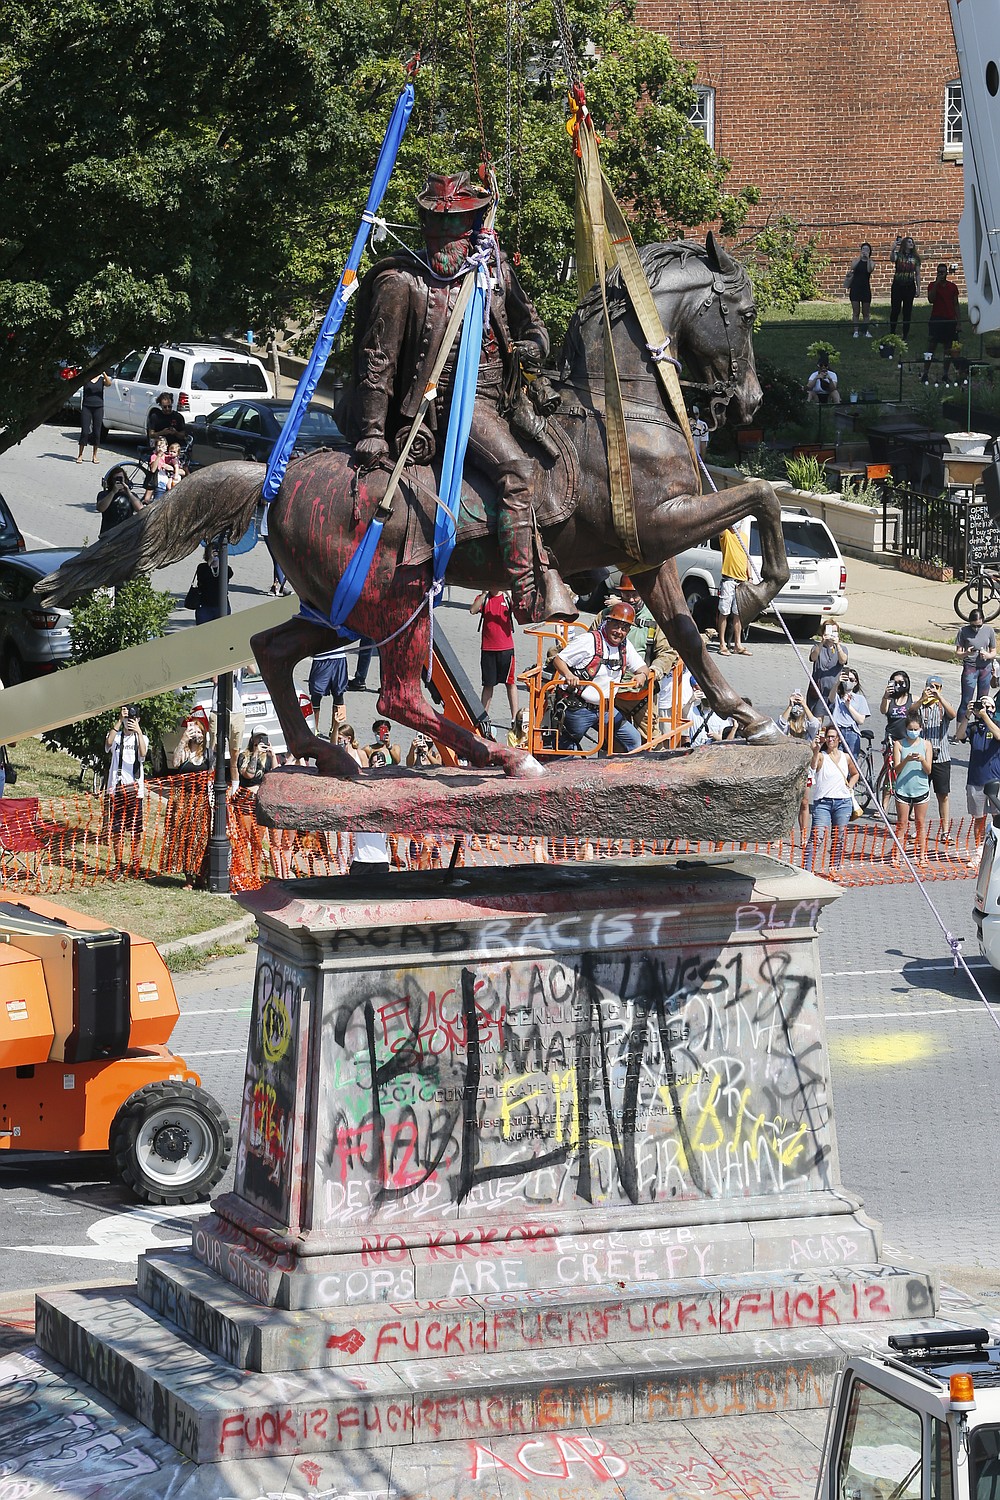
(914, 1051)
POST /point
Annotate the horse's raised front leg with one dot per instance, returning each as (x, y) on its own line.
(278, 652)
(686, 520)
(402, 698)
(663, 593)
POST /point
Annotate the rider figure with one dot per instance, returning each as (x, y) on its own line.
(403, 308)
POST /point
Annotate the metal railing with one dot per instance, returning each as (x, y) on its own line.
(932, 528)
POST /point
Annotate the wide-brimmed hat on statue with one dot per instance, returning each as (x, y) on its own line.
(456, 194)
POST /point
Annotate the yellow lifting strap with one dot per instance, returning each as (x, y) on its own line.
(603, 240)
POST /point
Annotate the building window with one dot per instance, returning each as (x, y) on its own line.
(953, 120)
(702, 117)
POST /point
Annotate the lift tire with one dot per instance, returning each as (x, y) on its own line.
(170, 1143)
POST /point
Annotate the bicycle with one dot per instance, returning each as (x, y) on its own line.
(878, 774)
(982, 592)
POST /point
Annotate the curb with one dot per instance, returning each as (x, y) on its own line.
(884, 641)
(226, 933)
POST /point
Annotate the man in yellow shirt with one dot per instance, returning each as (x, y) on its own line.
(735, 569)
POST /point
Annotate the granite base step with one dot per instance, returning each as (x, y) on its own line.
(217, 1316)
(210, 1411)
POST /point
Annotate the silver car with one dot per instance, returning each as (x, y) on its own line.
(34, 638)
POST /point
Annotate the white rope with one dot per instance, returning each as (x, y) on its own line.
(954, 943)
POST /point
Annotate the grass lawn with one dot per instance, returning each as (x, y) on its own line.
(784, 337)
(158, 908)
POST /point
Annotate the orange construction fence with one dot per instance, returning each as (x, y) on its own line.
(58, 844)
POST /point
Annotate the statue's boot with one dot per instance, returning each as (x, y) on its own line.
(537, 593)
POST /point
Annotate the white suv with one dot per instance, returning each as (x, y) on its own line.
(200, 377)
(817, 586)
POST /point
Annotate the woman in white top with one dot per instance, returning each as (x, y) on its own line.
(127, 746)
(834, 778)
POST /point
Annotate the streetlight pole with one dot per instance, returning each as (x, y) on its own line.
(219, 851)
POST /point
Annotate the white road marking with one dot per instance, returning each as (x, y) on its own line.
(44, 540)
(237, 1010)
(887, 1015)
(921, 968)
(218, 1052)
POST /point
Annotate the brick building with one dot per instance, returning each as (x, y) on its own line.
(847, 116)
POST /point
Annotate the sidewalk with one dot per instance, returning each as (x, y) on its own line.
(897, 611)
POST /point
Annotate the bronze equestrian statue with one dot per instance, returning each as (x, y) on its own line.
(402, 308)
(555, 483)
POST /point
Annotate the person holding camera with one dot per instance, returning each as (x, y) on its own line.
(850, 710)
(382, 752)
(858, 285)
(911, 760)
(821, 387)
(423, 752)
(984, 760)
(828, 658)
(905, 282)
(799, 724)
(127, 746)
(253, 763)
(937, 717)
(976, 649)
(834, 778)
(896, 704)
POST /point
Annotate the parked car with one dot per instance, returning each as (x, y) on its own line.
(816, 588)
(257, 707)
(34, 639)
(200, 377)
(250, 428)
(11, 539)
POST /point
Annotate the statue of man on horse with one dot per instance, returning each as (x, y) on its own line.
(402, 311)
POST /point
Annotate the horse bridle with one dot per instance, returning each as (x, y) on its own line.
(720, 392)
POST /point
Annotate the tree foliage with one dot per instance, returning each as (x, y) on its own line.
(104, 623)
(175, 170)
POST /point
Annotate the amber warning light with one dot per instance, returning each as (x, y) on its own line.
(962, 1393)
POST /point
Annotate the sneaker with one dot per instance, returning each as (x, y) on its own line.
(856, 334)
(868, 333)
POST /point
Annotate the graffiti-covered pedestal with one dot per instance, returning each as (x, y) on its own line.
(533, 1148)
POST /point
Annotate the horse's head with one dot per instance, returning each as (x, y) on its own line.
(705, 302)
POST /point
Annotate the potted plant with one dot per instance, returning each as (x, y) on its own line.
(806, 472)
(823, 346)
(938, 570)
(890, 346)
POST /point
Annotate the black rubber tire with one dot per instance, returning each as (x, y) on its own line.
(803, 627)
(155, 1146)
(885, 795)
(700, 605)
(967, 599)
(862, 795)
(12, 670)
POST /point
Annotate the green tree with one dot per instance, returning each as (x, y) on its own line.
(174, 170)
(104, 623)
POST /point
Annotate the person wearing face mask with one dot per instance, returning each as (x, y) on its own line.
(828, 658)
(382, 752)
(850, 710)
(896, 704)
(912, 760)
(983, 782)
(937, 717)
(976, 649)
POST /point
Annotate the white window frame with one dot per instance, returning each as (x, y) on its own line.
(954, 121)
(702, 117)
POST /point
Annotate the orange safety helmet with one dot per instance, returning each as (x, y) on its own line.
(626, 583)
(621, 612)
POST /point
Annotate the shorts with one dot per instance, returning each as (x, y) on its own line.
(328, 675)
(975, 801)
(942, 331)
(237, 719)
(914, 801)
(941, 777)
(497, 668)
(727, 596)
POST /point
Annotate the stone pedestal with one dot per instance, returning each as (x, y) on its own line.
(524, 1148)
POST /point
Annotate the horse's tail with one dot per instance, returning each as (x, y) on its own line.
(219, 497)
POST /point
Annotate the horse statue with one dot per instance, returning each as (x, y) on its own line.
(325, 502)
